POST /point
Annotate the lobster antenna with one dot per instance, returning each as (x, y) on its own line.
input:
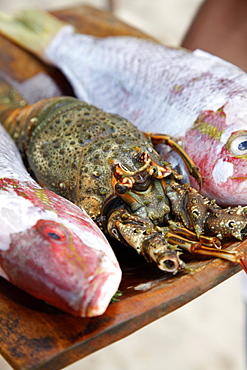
(33, 29)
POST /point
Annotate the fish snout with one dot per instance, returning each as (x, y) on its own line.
(99, 294)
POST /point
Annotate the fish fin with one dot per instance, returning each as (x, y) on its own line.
(33, 29)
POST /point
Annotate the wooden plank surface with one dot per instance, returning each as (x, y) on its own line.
(37, 336)
(34, 335)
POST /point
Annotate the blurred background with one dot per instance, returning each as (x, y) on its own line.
(164, 19)
(209, 332)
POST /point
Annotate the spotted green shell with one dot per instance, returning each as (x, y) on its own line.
(74, 146)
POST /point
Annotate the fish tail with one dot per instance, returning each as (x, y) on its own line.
(32, 29)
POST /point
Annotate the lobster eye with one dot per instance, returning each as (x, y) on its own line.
(53, 231)
(238, 143)
(142, 181)
(121, 189)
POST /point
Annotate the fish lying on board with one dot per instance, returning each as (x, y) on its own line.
(48, 246)
(194, 96)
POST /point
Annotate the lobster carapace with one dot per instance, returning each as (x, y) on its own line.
(105, 165)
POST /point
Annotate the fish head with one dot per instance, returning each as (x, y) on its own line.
(62, 259)
(217, 143)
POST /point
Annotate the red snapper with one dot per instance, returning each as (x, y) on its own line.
(48, 246)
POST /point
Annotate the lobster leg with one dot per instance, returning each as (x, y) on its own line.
(168, 140)
(196, 247)
(141, 234)
(210, 241)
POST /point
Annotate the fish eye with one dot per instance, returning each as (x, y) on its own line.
(53, 231)
(242, 145)
(54, 235)
(238, 143)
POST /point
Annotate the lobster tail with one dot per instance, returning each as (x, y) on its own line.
(20, 119)
(15, 114)
(57, 123)
(11, 103)
(9, 95)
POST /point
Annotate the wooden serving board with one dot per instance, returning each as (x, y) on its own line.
(34, 335)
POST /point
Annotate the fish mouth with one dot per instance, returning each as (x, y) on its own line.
(105, 288)
(102, 288)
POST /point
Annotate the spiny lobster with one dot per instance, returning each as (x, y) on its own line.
(105, 165)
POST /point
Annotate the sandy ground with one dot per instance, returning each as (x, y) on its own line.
(208, 333)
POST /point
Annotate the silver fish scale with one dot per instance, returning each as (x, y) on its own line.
(149, 84)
